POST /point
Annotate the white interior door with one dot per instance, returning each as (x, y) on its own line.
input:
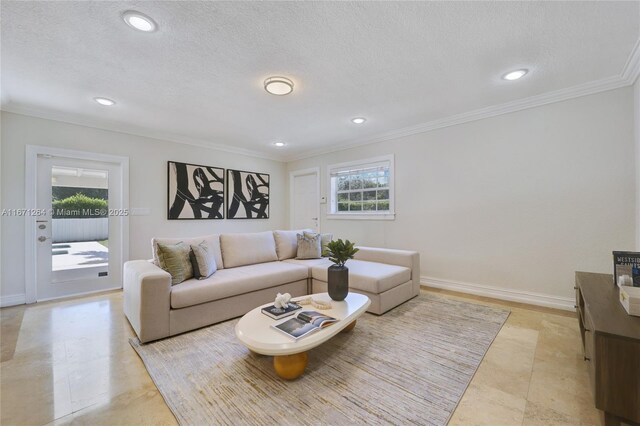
(304, 200)
(79, 243)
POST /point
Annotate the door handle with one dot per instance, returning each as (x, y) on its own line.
(314, 218)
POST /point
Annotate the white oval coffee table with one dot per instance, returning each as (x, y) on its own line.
(290, 356)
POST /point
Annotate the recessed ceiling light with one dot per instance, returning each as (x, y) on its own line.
(514, 75)
(139, 21)
(278, 86)
(279, 144)
(358, 120)
(104, 101)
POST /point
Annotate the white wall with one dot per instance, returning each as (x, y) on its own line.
(517, 202)
(636, 92)
(148, 186)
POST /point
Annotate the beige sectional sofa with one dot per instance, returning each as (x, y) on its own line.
(252, 269)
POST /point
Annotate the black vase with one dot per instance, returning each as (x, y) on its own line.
(338, 282)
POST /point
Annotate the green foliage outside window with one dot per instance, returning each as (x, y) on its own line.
(79, 206)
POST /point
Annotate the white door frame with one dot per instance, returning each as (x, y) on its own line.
(302, 172)
(30, 190)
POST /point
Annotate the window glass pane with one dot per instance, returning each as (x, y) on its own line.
(361, 188)
(369, 195)
(383, 205)
(370, 180)
(369, 205)
(355, 182)
(343, 183)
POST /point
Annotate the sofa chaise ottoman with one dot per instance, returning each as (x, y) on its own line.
(251, 269)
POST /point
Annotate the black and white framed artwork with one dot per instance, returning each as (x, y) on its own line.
(195, 192)
(247, 195)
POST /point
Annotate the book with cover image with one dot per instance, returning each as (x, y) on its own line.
(277, 313)
(626, 267)
(306, 322)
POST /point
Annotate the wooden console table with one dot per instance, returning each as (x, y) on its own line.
(611, 343)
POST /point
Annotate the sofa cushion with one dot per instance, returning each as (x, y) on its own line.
(235, 281)
(203, 261)
(213, 241)
(174, 258)
(309, 263)
(248, 248)
(287, 243)
(368, 276)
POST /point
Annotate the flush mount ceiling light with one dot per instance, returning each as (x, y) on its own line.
(279, 86)
(279, 144)
(358, 120)
(514, 75)
(139, 21)
(104, 101)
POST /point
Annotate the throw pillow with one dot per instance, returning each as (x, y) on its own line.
(325, 239)
(309, 246)
(174, 258)
(202, 260)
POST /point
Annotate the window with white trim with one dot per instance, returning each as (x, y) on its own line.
(362, 189)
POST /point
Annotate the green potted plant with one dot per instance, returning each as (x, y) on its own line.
(339, 252)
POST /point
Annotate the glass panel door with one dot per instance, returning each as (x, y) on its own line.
(80, 232)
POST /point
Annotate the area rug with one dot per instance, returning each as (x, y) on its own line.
(411, 365)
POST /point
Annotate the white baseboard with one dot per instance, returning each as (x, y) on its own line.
(15, 299)
(564, 303)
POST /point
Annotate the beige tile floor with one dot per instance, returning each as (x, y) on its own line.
(69, 362)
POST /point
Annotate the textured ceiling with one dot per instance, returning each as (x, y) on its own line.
(199, 77)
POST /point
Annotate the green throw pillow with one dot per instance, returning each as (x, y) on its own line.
(174, 258)
(203, 261)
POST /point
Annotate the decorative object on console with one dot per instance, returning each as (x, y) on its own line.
(338, 275)
(626, 263)
(247, 195)
(630, 299)
(195, 192)
(309, 246)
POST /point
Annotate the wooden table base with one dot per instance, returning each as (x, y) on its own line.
(290, 367)
(349, 327)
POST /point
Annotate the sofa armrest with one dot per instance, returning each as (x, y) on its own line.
(407, 258)
(147, 299)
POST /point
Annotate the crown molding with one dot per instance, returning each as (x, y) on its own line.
(135, 131)
(627, 77)
(585, 89)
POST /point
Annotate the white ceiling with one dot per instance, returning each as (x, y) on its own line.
(198, 79)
